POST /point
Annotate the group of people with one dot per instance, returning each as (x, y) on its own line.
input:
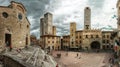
(114, 61)
(111, 61)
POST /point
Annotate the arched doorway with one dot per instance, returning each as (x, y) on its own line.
(8, 40)
(8, 36)
(95, 45)
(26, 41)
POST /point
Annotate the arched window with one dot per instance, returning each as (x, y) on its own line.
(80, 37)
(91, 36)
(103, 41)
(97, 36)
(107, 36)
(86, 36)
(103, 36)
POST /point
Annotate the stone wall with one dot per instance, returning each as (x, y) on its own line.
(13, 21)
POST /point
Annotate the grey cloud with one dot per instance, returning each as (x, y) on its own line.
(96, 6)
(36, 9)
(2, 1)
(96, 3)
(53, 5)
(62, 27)
(36, 26)
(35, 32)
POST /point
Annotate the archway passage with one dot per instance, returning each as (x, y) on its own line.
(95, 45)
(8, 40)
(26, 41)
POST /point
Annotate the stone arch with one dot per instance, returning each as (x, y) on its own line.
(26, 39)
(95, 45)
(8, 31)
(8, 37)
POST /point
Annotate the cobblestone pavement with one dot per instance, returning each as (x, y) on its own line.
(83, 59)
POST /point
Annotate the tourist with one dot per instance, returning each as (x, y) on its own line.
(112, 60)
(77, 54)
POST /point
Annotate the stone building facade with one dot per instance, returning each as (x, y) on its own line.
(51, 42)
(88, 38)
(92, 39)
(106, 39)
(66, 41)
(54, 30)
(78, 38)
(48, 38)
(14, 26)
(34, 40)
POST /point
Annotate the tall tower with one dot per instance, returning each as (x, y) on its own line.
(87, 18)
(54, 30)
(118, 13)
(48, 23)
(41, 26)
(72, 34)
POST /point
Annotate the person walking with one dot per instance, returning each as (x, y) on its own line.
(77, 55)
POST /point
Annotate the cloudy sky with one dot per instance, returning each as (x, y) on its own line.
(65, 11)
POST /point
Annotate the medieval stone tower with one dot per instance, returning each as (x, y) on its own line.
(87, 18)
(48, 20)
(72, 34)
(54, 30)
(42, 29)
(118, 13)
(46, 24)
